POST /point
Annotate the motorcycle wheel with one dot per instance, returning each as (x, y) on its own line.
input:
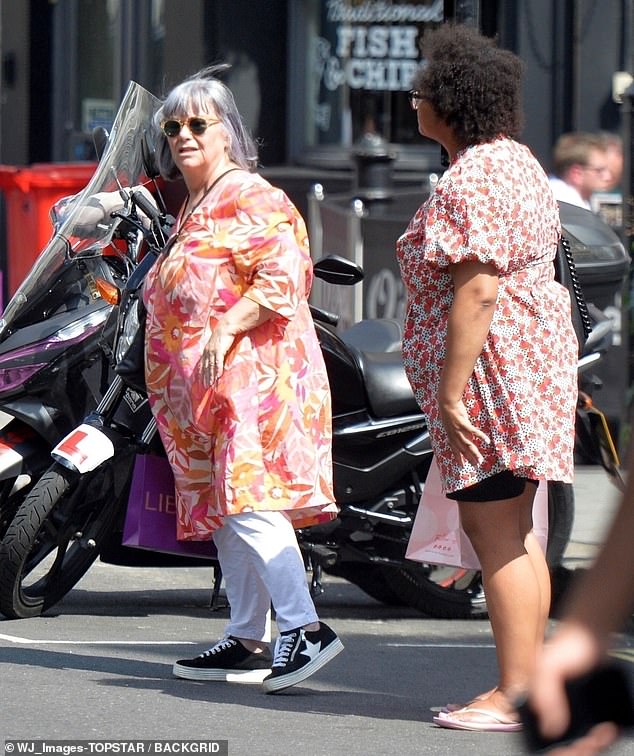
(439, 591)
(54, 538)
(455, 593)
(10, 503)
(373, 579)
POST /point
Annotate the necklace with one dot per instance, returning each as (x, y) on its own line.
(184, 220)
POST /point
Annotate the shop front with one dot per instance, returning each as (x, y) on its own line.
(353, 64)
(312, 78)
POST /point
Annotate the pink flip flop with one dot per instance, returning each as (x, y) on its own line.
(488, 721)
(451, 707)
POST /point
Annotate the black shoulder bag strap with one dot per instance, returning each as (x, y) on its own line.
(566, 274)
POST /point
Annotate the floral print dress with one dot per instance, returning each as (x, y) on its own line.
(260, 437)
(494, 205)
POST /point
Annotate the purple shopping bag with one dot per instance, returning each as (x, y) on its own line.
(150, 521)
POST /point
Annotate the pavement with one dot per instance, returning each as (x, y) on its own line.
(98, 667)
(596, 500)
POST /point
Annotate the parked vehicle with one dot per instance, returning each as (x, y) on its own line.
(381, 455)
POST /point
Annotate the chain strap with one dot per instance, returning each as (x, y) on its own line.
(586, 322)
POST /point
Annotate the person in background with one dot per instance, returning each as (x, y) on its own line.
(583, 636)
(238, 386)
(613, 145)
(580, 168)
(488, 343)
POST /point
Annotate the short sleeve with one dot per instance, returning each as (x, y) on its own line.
(270, 249)
(462, 223)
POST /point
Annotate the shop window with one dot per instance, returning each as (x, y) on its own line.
(361, 56)
(100, 45)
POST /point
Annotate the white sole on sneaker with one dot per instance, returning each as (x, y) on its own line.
(243, 676)
(275, 684)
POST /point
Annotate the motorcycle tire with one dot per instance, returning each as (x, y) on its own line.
(374, 580)
(439, 591)
(455, 593)
(10, 503)
(54, 538)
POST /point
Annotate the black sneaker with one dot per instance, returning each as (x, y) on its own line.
(228, 660)
(298, 654)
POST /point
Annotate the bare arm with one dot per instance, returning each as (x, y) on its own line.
(475, 295)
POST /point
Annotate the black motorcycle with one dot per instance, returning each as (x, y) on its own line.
(381, 454)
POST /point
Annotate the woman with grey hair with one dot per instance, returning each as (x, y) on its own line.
(238, 386)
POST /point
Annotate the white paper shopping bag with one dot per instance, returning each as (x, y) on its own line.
(437, 536)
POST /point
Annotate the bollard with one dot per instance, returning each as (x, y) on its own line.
(374, 158)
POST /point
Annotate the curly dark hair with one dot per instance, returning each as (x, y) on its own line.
(473, 85)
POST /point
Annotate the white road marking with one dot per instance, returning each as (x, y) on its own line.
(34, 642)
(439, 645)
(625, 654)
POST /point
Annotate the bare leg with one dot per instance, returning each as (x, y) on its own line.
(538, 560)
(516, 583)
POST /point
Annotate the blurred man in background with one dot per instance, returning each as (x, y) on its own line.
(580, 168)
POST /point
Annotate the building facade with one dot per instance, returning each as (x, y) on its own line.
(311, 77)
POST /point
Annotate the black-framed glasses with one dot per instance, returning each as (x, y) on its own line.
(171, 127)
(414, 96)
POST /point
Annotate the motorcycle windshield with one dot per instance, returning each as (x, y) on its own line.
(62, 277)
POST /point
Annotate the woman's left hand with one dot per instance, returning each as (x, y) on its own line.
(461, 433)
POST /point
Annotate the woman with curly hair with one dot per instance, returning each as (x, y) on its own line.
(489, 347)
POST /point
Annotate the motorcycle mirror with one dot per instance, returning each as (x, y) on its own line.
(100, 139)
(338, 270)
(148, 151)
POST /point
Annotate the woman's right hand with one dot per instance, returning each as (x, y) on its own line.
(214, 353)
(461, 433)
(573, 651)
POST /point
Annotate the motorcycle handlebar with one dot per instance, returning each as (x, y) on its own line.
(323, 316)
(145, 205)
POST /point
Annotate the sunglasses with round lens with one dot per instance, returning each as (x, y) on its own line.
(196, 124)
(414, 96)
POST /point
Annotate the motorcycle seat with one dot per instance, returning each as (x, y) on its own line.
(389, 392)
(374, 335)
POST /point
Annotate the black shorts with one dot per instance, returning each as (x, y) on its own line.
(504, 485)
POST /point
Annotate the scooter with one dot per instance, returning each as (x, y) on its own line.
(381, 453)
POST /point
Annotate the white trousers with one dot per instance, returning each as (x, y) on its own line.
(262, 564)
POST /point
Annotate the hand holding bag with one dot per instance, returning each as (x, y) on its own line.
(437, 536)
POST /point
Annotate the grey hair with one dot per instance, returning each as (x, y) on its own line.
(204, 93)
